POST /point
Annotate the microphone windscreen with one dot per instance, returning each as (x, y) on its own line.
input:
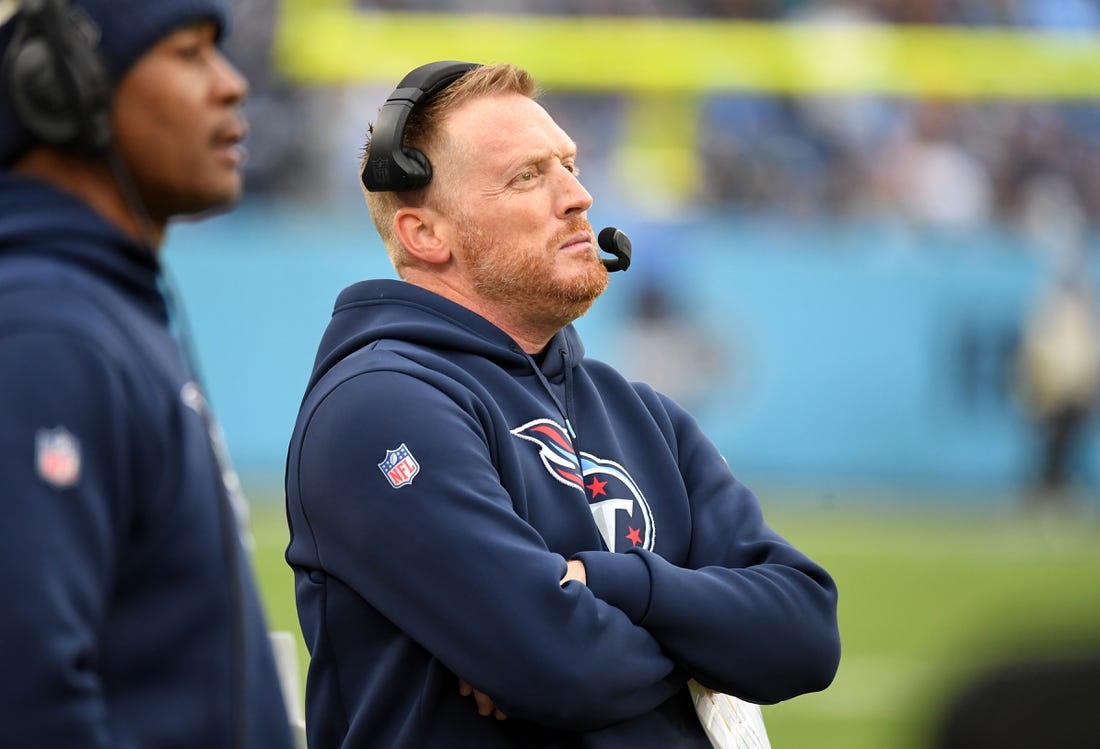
(615, 242)
(606, 239)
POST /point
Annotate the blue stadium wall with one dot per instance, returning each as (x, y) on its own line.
(850, 354)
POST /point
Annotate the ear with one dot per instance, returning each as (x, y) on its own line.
(423, 232)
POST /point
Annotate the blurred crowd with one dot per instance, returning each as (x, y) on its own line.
(944, 164)
(1031, 166)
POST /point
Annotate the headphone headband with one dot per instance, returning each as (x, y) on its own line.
(391, 166)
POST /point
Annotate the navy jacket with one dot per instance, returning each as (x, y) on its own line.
(121, 627)
(438, 480)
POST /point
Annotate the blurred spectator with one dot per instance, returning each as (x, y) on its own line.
(1061, 379)
(664, 347)
(931, 178)
(1060, 352)
(755, 157)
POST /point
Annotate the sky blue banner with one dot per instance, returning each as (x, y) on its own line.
(818, 356)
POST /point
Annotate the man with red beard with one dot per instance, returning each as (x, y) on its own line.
(497, 541)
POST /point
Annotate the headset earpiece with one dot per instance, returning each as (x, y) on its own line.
(392, 166)
(59, 87)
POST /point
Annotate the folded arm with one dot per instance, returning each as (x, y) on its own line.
(744, 612)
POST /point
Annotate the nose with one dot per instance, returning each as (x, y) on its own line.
(232, 86)
(574, 198)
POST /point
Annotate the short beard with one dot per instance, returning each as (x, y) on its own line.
(524, 283)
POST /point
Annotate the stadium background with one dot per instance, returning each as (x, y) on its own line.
(843, 214)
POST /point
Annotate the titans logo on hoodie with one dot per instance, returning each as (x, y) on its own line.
(610, 490)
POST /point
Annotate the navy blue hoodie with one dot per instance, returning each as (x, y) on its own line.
(121, 628)
(438, 480)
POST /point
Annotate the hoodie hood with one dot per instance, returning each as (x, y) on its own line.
(372, 311)
(36, 219)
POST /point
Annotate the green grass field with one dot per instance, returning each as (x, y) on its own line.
(928, 598)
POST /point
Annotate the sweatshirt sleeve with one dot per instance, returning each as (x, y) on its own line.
(447, 558)
(746, 613)
(60, 465)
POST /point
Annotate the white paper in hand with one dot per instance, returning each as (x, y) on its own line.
(7, 10)
(729, 723)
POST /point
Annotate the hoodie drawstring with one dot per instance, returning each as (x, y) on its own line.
(566, 410)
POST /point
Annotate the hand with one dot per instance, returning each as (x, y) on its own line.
(484, 702)
(575, 571)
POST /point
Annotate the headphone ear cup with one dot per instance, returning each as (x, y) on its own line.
(37, 95)
(422, 173)
(59, 88)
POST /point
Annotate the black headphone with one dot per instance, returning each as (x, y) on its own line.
(391, 166)
(59, 87)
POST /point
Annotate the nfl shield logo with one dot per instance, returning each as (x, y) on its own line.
(57, 457)
(399, 467)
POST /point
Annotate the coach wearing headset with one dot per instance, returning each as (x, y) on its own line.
(130, 617)
(499, 542)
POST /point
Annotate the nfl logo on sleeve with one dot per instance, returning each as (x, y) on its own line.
(399, 467)
(57, 457)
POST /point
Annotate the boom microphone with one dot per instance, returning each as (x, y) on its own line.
(614, 242)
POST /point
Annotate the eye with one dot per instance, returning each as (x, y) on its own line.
(191, 51)
(527, 175)
(193, 43)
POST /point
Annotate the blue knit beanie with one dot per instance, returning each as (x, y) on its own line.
(128, 28)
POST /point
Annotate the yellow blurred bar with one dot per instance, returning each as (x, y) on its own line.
(328, 41)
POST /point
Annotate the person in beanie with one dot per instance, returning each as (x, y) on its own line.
(132, 619)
